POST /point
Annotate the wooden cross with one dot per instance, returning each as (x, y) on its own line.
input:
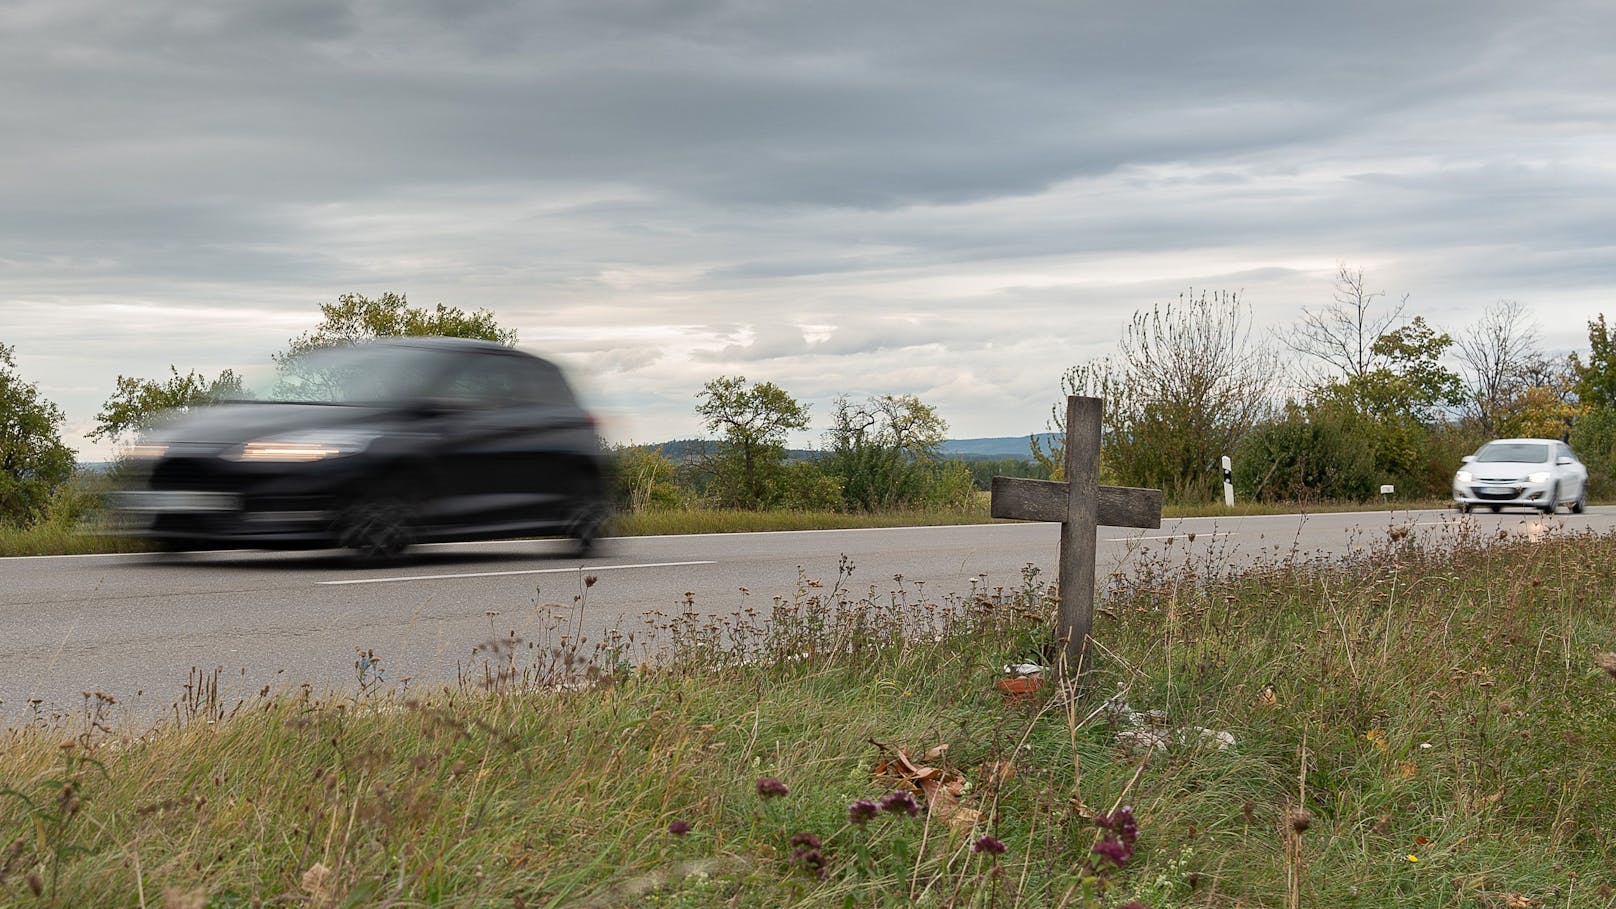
(1080, 504)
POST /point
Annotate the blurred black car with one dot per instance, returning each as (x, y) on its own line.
(373, 447)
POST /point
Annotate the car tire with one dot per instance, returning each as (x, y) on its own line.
(1581, 504)
(1554, 500)
(377, 528)
(586, 527)
(1495, 508)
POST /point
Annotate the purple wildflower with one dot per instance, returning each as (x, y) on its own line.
(806, 853)
(1113, 849)
(989, 844)
(861, 811)
(679, 828)
(899, 800)
(770, 788)
(1121, 832)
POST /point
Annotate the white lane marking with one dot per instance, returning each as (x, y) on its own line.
(1174, 536)
(502, 574)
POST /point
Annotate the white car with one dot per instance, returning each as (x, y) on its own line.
(1542, 474)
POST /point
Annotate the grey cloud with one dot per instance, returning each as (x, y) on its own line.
(1017, 177)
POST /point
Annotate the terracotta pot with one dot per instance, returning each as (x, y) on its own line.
(1020, 689)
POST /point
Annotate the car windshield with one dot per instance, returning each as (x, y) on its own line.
(351, 375)
(1518, 452)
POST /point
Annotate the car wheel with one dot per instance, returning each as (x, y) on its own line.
(1553, 502)
(1581, 504)
(1495, 508)
(586, 527)
(377, 528)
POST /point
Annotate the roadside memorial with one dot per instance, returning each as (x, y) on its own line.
(1081, 505)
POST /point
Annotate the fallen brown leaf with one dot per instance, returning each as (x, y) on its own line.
(964, 820)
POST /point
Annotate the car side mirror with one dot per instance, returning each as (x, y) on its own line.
(1467, 459)
(1563, 461)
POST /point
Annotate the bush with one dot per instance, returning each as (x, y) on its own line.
(1305, 459)
(1593, 437)
(644, 479)
(805, 486)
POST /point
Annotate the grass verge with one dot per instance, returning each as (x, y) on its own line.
(1423, 726)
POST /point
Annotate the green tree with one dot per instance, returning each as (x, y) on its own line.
(355, 317)
(1593, 437)
(752, 421)
(1596, 377)
(1395, 403)
(883, 450)
(34, 464)
(138, 403)
(1187, 383)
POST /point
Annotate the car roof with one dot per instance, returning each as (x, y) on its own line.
(1537, 441)
(439, 342)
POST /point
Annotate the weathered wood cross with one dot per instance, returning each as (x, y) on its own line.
(1080, 504)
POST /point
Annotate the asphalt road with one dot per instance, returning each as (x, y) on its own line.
(136, 627)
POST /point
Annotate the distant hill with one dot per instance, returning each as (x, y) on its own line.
(992, 449)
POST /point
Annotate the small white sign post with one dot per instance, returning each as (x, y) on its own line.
(1080, 504)
(1228, 482)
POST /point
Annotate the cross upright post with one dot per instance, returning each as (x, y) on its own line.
(1080, 504)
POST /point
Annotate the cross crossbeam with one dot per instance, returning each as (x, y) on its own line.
(1081, 505)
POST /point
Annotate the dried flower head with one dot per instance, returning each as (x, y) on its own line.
(1301, 819)
(1607, 662)
(770, 788)
(679, 828)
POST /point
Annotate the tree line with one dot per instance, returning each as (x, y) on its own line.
(1367, 397)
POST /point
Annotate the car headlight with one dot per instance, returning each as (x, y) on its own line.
(146, 451)
(305, 446)
(1463, 476)
(1541, 476)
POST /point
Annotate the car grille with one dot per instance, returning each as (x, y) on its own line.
(1480, 492)
(186, 473)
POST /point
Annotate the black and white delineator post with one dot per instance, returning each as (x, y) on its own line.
(1080, 504)
(1228, 482)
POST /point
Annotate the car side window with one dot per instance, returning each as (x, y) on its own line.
(486, 381)
(508, 381)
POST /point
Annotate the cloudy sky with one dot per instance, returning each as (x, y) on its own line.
(954, 200)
